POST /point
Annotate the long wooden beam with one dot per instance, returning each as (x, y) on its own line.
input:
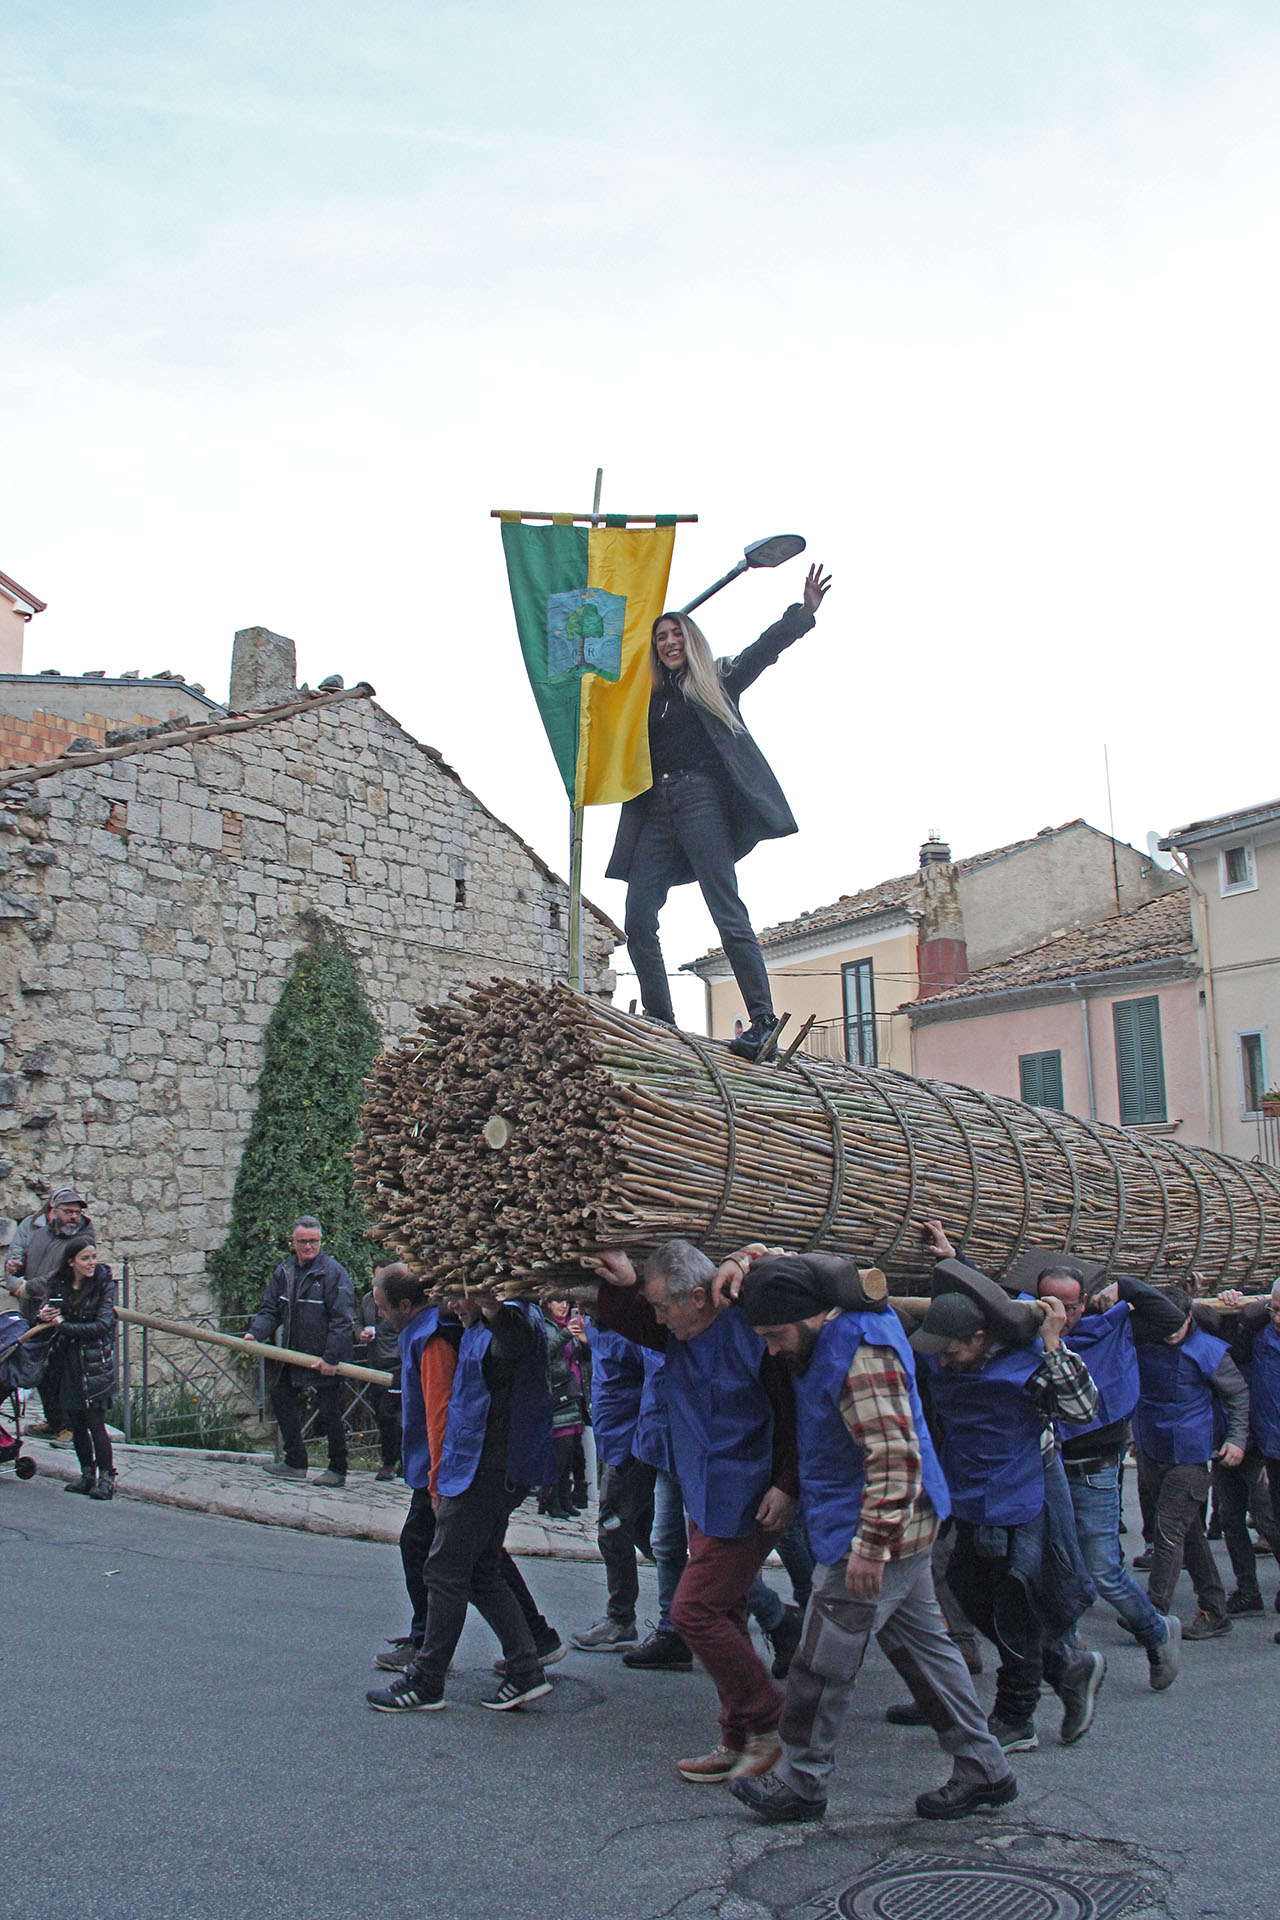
(256, 1349)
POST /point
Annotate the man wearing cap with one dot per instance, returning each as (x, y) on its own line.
(872, 1494)
(33, 1260)
(1017, 1569)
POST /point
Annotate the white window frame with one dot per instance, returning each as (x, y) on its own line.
(1250, 885)
(1251, 1033)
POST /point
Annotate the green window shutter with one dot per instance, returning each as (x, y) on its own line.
(1040, 1078)
(1140, 1062)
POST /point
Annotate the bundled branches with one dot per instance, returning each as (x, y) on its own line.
(526, 1128)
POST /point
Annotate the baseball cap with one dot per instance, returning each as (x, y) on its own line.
(952, 1316)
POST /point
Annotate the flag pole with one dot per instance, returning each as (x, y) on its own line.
(576, 965)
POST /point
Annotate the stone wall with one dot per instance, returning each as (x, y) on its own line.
(152, 909)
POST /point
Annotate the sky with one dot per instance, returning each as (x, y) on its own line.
(980, 299)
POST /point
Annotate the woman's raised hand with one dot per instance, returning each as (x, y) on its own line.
(816, 588)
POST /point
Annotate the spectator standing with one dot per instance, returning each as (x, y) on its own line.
(81, 1304)
(35, 1255)
(311, 1302)
(380, 1347)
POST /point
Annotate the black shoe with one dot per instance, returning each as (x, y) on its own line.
(386, 1473)
(785, 1639)
(773, 1802)
(1013, 1736)
(512, 1693)
(548, 1646)
(398, 1656)
(1207, 1626)
(106, 1486)
(751, 1043)
(960, 1797)
(405, 1695)
(1143, 1562)
(1078, 1695)
(907, 1714)
(664, 1651)
(83, 1485)
(1243, 1601)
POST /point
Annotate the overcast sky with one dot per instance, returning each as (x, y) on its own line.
(982, 299)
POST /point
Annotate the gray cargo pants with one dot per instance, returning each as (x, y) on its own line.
(907, 1621)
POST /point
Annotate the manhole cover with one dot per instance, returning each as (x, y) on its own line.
(933, 1886)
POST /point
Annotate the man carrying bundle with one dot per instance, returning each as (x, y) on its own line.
(1251, 1490)
(873, 1495)
(732, 1417)
(996, 1389)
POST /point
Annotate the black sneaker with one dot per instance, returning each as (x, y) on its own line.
(512, 1694)
(907, 1714)
(1207, 1626)
(405, 1695)
(1244, 1601)
(961, 1797)
(607, 1636)
(397, 1657)
(664, 1651)
(752, 1042)
(549, 1649)
(1143, 1562)
(785, 1639)
(1078, 1695)
(1013, 1736)
(1166, 1661)
(772, 1801)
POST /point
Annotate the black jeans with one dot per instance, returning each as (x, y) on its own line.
(625, 1518)
(416, 1537)
(1241, 1495)
(465, 1564)
(1003, 1610)
(689, 814)
(1178, 1495)
(386, 1411)
(91, 1440)
(286, 1404)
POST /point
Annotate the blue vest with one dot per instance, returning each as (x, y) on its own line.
(413, 1408)
(617, 1380)
(652, 1442)
(1174, 1418)
(721, 1425)
(531, 1460)
(1104, 1342)
(1264, 1391)
(991, 1437)
(832, 1464)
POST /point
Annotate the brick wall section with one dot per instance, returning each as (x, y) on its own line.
(152, 909)
(24, 742)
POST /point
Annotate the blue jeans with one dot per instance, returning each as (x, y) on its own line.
(1095, 1498)
(764, 1603)
(669, 1540)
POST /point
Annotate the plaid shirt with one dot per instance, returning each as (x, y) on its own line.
(1062, 1389)
(897, 1517)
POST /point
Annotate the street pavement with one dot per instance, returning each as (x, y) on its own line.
(185, 1738)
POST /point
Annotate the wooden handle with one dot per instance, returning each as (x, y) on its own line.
(256, 1349)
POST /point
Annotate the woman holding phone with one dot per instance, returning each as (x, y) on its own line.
(81, 1305)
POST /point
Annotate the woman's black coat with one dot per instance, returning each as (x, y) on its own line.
(758, 808)
(87, 1336)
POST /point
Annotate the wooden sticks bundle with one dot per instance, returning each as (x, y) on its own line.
(526, 1128)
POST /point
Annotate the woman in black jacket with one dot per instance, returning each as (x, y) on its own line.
(713, 797)
(86, 1324)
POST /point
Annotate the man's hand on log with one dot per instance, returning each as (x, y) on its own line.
(726, 1282)
(249, 1336)
(615, 1268)
(1108, 1297)
(1231, 1298)
(322, 1366)
(1055, 1319)
(776, 1511)
(937, 1236)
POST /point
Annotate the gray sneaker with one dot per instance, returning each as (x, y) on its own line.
(283, 1471)
(609, 1637)
(1166, 1660)
(329, 1479)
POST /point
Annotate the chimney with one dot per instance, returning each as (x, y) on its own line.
(942, 956)
(935, 852)
(264, 670)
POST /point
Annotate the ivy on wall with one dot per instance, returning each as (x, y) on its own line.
(319, 1045)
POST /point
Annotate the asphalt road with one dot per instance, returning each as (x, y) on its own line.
(185, 1736)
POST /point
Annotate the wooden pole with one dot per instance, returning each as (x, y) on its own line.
(577, 966)
(256, 1349)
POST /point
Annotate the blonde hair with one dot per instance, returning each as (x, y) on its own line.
(699, 678)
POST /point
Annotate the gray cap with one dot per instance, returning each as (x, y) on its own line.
(66, 1197)
(952, 1316)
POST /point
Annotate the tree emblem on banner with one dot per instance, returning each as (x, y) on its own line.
(584, 633)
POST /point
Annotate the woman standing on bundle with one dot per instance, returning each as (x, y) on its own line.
(713, 797)
(86, 1341)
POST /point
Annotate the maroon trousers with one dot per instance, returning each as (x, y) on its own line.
(710, 1611)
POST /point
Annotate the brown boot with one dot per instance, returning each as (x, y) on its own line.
(710, 1769)
(761, 1754)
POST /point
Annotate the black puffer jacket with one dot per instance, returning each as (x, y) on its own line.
(313, 1308)
(87, 1337)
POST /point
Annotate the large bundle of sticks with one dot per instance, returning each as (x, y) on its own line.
(526, 1128)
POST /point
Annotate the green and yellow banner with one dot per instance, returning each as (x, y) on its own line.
(585, 601)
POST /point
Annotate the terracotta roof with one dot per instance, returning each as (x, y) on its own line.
(903, 892)
(16, 592)
(1160, 930)
(1239, 821)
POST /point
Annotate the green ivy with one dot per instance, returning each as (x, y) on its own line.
(319, 1045)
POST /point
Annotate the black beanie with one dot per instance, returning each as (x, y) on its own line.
(781, 1288)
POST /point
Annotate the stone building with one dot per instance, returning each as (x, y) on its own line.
(156, 891)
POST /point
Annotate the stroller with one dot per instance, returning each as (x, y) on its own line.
(23, 1354)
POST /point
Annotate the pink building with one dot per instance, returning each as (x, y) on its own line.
(1102, 1022)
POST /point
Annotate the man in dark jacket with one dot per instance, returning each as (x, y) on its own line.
(311, 1303)
(34, 1258)
(1251, 1491)
(379, 1342)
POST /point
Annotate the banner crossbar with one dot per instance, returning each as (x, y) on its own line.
(595, 519)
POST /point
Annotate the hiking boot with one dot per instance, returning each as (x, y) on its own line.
(1013, 1736)
(664, 1651)
(710, 1769)
(960, 1797)
(610, 1636)
(1078, 1695)
(105, 1489)
(281, 1470)
(515, 1693)
(84, 1484)
(760, 1754)
(1207, 1626)
(1166, 1661)
(1142, 1562)
(406, 1695)
(772, 1801)
(329, 1479)
(752, 1042)
(398, 1657)
(1244, 1600)
(907, 1714)
(785, 1639)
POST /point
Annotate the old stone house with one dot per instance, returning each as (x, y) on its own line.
(156, 891)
